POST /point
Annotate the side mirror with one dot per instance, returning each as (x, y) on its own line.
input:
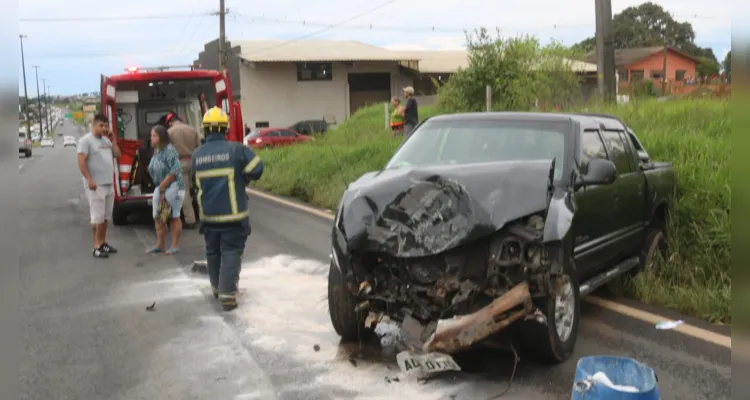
(643, 157)
(600, 172)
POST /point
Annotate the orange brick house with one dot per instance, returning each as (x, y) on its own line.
(648, 63)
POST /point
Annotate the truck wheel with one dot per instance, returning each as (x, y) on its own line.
(119, 216)
(553, 340)
(28, 153)
(654, 247)
(348, 323)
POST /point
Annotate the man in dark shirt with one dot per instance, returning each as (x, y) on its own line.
(410, 111)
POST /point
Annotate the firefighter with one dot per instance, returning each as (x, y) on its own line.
(221, 170)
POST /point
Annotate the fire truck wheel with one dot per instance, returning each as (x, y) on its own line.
(119, 216)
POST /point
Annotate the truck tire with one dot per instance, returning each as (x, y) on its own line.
(544, 342)
(119, 216)
(28, 153)
(654, 246)
(348, 323)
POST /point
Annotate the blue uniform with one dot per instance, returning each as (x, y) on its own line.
(221, 170)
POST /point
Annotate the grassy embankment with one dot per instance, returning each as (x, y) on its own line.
(694, 135)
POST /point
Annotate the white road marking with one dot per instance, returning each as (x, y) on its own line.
(686, 329)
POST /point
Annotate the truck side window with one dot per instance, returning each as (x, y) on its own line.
(617, 148)
(624, 139)
(592, 148)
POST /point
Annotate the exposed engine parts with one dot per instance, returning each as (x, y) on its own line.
(488, 283)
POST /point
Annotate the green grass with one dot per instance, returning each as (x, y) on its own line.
(693, 134)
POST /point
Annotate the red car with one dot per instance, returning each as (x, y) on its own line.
(274, 137)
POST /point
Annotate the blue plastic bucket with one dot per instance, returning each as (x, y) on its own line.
(621, 371)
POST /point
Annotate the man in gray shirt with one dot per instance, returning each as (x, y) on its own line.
(95, 160)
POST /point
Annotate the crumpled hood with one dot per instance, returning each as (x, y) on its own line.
(415, 212)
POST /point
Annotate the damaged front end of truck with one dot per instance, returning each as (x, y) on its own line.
(456, 254)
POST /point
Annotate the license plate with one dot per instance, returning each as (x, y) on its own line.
(425, 364)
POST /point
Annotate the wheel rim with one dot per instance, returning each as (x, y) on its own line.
(565, 311)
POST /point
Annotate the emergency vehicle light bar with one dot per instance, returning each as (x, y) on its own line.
(134, 70)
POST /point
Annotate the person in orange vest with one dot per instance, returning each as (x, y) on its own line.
(397, 120)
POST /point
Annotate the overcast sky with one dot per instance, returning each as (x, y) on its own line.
(72, 54)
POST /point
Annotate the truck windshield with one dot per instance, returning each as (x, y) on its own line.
(478, 141)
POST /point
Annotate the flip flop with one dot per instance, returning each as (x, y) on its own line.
(154, 250)
(172, 250)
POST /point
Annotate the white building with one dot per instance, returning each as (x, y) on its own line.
(280, 83)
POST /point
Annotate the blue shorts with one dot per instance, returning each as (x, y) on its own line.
(174, 197)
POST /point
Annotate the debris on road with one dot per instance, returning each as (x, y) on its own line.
(316, 347)
(664, 325)
(200, 266)
(151, 307)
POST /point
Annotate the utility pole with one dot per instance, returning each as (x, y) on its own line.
(46, 105)
(25, 92)
(605, 51)
(664, 28)
(222, 37)
(38, 100)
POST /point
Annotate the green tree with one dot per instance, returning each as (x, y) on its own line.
(649, 25)
(520, 71)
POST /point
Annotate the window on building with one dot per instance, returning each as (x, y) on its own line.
(680, 74)
(636, 75)
(315, 71)
(623, 75)
(655, 74)
(262, 124)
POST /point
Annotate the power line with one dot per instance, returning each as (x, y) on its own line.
(190, 19)
(401, 29)
(120, 54)
(327, 28)
(111, 19)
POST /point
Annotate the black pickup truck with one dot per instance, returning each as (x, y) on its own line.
(487, 228)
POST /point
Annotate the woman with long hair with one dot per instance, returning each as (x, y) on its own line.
(165, 170)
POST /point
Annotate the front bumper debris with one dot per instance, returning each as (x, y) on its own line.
(463, 331)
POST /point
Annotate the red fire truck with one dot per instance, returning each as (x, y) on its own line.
(137, 100)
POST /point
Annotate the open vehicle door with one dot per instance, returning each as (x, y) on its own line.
(109, 108)
(223, 95)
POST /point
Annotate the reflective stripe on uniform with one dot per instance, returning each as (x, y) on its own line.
(219, 173)
(251, 165)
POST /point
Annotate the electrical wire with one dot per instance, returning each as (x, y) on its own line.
(184, 27)
(327, 28)
(111, 19)
(402, 29)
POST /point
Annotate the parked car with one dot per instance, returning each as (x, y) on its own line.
(502, 220)
(47, 142)
(311, 126)
(274, 137)
(24, 144)
(69, 141)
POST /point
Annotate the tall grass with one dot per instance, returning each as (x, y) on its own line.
(693, 134)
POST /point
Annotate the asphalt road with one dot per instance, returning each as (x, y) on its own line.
(87, 334)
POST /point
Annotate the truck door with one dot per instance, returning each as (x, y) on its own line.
(223, 87)
(595, 223)
(630, 191)
(109, 108)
